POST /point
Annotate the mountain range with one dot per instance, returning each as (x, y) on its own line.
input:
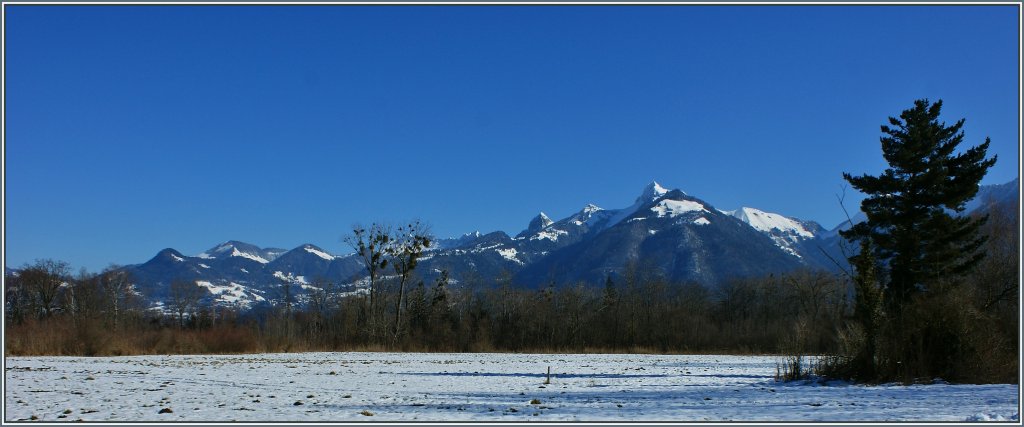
(683, 237)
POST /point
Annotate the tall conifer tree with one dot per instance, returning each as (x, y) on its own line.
(908, 206)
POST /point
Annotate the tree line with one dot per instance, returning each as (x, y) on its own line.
(638, 311)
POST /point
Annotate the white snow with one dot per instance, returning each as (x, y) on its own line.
(257, 258)
(231, 293)
(590, 215)
(509, 254)
(177, 258)
(204, 265)
(783, 231)
(205, 255)
(650, 193)
(654, 191)
(290, 277)
(673, 208)
(765, 222)
(492, 387)
(244, 270)
(479, 249)
(319, 253)
(550, 234)
(544, 220)
(219, 289)
(652, 232)
(621, 214)
(701, 221)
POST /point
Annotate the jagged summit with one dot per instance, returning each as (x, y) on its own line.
(538, 223)
(543, 219)
(652, 192)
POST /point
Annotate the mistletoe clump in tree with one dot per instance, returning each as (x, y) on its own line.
(910, 231)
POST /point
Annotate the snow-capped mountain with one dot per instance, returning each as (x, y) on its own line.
(235, 248)
(788, 233)
(241, 274)
(684, 238)
(992, 196)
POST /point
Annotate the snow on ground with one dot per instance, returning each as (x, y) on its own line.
(550, 234)
(231, 293)
(470, 387)
(319, 253)
(673, 208)
(509, 254)
(257, 258)
(291, 278)
(766, 222)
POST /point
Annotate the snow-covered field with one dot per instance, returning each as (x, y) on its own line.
(473, 387)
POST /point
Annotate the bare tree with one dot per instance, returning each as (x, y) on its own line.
(17, 301)
(117, 293)
(407, 245)
(44, 280)
(184, 298)
(82, 299)
(321, 300)
(372, 247)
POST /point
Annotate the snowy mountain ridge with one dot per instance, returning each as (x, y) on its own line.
(680, 236)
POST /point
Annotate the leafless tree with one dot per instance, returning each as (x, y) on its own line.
(117, 293)
(372, 247)
(184, 298)
(17, 300)
(82, 299)
(407, 246)
(44, 279)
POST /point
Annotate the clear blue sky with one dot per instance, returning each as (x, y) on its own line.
(135, 128)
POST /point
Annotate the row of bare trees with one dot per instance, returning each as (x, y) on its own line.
(638, 311)
(46, 288)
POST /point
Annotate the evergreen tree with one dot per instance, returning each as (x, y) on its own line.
(867, 308)
(907, 207)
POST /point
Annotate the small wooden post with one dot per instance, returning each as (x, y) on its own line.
(548, 380)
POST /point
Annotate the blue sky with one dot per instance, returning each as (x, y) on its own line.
(130, 129)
